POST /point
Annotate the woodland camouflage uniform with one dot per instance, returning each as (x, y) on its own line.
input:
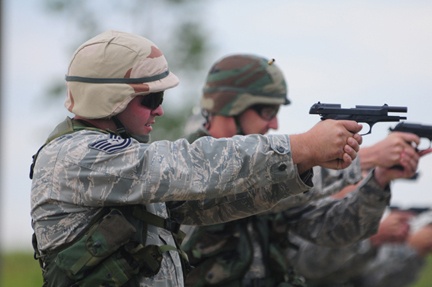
(250, 251)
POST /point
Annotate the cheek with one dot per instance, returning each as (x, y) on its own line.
(256, 128)
(134, 116)
(253, 124)
(140, 116)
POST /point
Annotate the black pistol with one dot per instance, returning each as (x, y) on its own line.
(361, 114)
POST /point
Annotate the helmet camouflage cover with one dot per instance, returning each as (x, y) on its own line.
(109, 70)
(237, 82)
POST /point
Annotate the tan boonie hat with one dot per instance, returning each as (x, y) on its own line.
(109, 70)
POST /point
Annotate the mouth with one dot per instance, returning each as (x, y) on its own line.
(149, 124)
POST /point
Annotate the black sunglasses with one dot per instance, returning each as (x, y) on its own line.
(153, 100)
(266, 112)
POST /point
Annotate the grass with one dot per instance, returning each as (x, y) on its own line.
(425, 276)
(20, 269)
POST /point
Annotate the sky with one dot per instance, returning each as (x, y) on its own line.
(345, 52)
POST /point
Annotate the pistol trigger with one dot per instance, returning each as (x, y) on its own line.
(370, 130)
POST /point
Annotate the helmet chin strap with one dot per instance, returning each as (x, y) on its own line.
(121, 130)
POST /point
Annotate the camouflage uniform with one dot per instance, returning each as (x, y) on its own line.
(360, 264)
(82, 170)
(325, 183)
(396, 265)
(327, 222)
(251, 251)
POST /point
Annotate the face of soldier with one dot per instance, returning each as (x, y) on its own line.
(259, 119)
(138, 118)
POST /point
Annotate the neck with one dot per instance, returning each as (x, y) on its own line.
(104, 124)
(109, 125)
(222, 127)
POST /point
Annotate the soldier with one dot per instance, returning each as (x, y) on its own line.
(99, 188)
(393, 256)
(242, 95)
(400, 264)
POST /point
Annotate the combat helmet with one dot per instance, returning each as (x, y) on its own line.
(109, 70)
(239, 81)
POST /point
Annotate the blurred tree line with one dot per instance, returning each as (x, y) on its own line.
(177, 28)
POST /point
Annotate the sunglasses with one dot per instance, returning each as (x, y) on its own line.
(153, 100)
(266, 112)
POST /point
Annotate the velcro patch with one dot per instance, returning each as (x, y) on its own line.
(112, 145)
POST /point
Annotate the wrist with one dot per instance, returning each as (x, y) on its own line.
(301, 153)
(381, 177)
(375, 240)
(367, 157)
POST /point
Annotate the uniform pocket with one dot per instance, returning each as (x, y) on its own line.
(100, 241)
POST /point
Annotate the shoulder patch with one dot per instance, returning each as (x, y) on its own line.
(114, 144)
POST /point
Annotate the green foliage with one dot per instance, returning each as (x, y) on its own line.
(20, 269)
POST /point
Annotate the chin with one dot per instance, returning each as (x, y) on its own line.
(146, 130)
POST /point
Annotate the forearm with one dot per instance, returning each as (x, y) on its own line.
(326, 182)
(368, 156)
(324, 263)
(335, 223)
(396, 265)
(237, 206)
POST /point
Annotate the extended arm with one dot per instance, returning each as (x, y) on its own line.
(340, 264)
(335, 223)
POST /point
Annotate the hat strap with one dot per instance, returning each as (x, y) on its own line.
(117, 80)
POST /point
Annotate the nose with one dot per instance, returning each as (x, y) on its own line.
(273, 123)
(158, 111)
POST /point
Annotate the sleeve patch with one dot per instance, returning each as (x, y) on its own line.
(112, 145)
